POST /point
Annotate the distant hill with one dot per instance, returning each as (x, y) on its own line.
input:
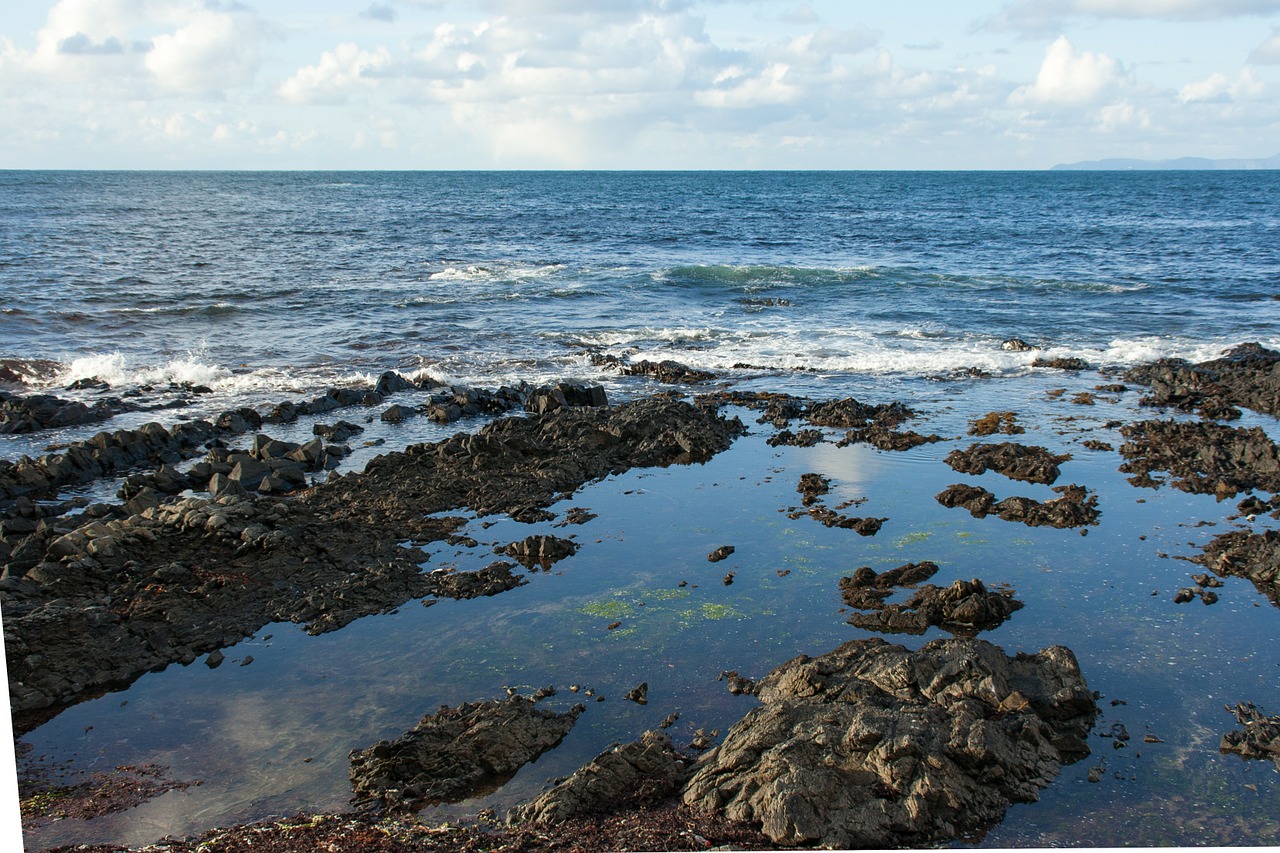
(1184, 163)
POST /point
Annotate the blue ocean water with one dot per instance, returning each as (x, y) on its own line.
(256, 282)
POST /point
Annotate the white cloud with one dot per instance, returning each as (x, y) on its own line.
(1221, 89)
(1070, 78)
(336, 75)
(1267, 53)
(210, 51)
(1123, 116)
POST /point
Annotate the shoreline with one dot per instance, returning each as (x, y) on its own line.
(471, 471)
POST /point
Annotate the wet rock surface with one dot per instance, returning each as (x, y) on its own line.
(1201, 457)
(646, 771)
(874, 745)
(1245, 375)
(1028, 463)
(541, 551)
(93, 601)
(1260, 737)
(1075, 508)
(35, 412)
(456, 753)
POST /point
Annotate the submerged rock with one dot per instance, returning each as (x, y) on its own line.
(456, 753)
(874, 745)
(883, 438)
(996, 422)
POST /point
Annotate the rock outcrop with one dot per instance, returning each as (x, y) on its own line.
(874, 745)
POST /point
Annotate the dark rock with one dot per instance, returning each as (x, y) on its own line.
(649, 770)
(1240, 553)
(812, 487)
(720, 553)
(670, 372)
(867, 590)
(639, 694)
(883, 438)
(1075, 508)
(1016, 461)
(1245, 376)
(456, 753)
(1061, 363)
(392, 383)
(397, 414)
(965, 608)
(736, 683)
(874, 745)
(804, 438)
(1202, 457)
(1016, 345)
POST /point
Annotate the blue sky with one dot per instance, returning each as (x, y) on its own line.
(645, 84)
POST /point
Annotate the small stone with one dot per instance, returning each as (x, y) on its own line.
(640, 694)
(720, 553)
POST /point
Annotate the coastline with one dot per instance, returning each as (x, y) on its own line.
(375, 520)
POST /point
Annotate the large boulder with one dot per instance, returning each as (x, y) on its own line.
(874, 745)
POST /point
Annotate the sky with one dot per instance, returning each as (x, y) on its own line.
(634, 84)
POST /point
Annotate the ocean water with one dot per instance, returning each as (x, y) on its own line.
(256, 283)
(888, 286)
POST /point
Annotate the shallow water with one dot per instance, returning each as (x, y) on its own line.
(272, 738)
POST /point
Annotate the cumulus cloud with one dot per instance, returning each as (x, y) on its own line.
(211, 50)
(338, 73)
(1040, 16)
(1070, 78)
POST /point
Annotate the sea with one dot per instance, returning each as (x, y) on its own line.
(203, 291)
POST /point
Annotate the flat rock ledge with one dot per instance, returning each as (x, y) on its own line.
(965, 608)
(645, 771)
(91, 603)
(874, 745)
(457, 753)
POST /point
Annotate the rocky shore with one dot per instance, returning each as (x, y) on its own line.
(871, 744)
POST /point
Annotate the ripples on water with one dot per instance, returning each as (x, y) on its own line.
(880, 272)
